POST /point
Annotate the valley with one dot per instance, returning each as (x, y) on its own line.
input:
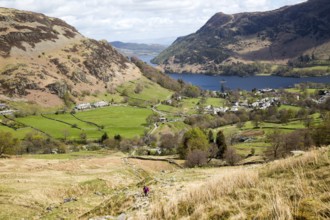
(84, 128)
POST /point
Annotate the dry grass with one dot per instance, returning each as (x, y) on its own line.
(293, 188)
(29, 186)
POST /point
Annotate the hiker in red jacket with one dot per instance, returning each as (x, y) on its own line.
(145, 190)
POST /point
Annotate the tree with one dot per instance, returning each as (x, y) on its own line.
(153, 118)
(66, 134)
(104, 137)
(231, 157)
(221, 144)
(83, 137)
(256, 120)
(7, 143)
(39, 143)
(168, 142)
(196, 158)
(193, 139)
(211, 136)
(191, 91)
(321, 133)
(276, 139)
(138, 88)
(117, 137)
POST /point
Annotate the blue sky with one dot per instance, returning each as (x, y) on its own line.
(150, 21)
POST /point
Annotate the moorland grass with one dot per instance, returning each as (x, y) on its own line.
(293, 188)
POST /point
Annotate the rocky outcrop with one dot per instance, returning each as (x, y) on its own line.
(58, 88)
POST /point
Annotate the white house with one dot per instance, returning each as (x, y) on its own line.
(100, 104)
(7, 112)
(83, 106)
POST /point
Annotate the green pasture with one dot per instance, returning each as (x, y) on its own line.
(299, 91)
(116, 98)
(289, 107)
(151, 91)
(93, 132)
(266, 125)
(216, 102)
(53, 128)
(19, 133)
(168, 109)
(124, 120)
(189, 105)
(244, 149)
(70, 155)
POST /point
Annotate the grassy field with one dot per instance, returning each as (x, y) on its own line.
(20, 133)
(258, 135)
(287, 107)
(168, 109)
(216, 102)
(53, 128)
(150, 91)
(86, 185)
(124, 120)
(295, 90)
(113, 120)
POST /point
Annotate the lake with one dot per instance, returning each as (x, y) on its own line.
(246, 83)
(146, 58)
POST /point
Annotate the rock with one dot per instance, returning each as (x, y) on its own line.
(103, 218)
(122, 216)
(98, 193)
(69, 200)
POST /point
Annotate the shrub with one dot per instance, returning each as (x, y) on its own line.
(221, 143)
(194, 139)
(196, 158)
(231, 157)
(7, 143)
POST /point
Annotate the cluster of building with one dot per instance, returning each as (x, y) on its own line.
(260, 104)
(84, 106)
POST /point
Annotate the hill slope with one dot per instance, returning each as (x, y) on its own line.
(102, 183)
(44, 60)
(273, 37)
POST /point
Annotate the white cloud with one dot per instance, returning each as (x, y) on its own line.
(128, 20)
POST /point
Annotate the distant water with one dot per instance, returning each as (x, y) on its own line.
(245, 83)
(147, 58)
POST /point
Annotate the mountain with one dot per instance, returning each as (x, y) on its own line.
(45, 60)
(298, 34)
(135, 49)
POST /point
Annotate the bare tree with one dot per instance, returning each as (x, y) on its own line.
(196, 158)
(231, 157)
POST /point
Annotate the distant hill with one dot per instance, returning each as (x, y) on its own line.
(47, 61)
(297, 35)
(136, 49)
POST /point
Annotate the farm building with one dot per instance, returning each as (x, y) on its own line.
(83, 106)
(7, 112)
(100, 104)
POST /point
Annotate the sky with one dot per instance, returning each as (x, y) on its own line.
(144, 21)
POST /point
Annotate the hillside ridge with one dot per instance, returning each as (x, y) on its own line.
(273, 37)
(45, 60)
